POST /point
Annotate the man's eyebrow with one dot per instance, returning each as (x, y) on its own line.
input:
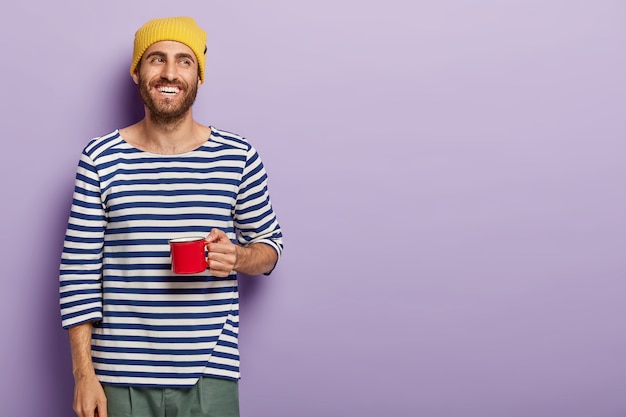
(154, 53)
(185, 55)
(178, 56)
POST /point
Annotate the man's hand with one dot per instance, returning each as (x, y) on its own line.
(89, 397)
(225, 256)
(222, 253)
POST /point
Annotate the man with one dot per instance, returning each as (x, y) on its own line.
(144, 341)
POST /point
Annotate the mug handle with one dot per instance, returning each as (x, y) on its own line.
(206, 260)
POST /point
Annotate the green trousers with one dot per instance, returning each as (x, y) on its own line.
(210, 397)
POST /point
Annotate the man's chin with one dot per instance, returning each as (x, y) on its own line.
(168, 116)
(168, 107)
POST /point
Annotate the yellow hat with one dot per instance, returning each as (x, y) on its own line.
(180, 29)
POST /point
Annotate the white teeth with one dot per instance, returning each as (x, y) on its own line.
(169, 90)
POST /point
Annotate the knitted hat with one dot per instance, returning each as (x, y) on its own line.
(180, 29)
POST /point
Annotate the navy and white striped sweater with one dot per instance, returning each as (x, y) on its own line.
(152, 327)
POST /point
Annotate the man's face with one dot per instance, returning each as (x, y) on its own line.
(168, 79)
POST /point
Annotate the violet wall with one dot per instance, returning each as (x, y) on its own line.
(449, 176)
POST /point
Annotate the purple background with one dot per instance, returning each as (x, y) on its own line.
(449, 176)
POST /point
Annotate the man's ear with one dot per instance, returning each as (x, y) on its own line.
(135, 77)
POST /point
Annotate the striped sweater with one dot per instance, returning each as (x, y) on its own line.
(152, 327)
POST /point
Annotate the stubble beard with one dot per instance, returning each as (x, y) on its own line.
(163, 111)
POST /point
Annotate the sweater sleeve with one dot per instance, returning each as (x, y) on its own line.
(254, 216)
(80, 283)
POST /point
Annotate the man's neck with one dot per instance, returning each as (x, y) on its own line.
(182, 136)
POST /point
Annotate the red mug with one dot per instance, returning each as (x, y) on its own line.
(188, 255)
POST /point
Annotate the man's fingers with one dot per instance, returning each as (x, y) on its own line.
(222, 253)
(216, 235)
(101, 411)
(221, 264)
(219, 270)
(218, 249)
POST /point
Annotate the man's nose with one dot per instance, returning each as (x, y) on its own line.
(169, 71)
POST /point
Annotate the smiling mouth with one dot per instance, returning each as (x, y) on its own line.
(168, 91)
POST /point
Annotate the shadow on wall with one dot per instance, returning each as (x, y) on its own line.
(126, 105)
(250, 290)
(55, 361)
